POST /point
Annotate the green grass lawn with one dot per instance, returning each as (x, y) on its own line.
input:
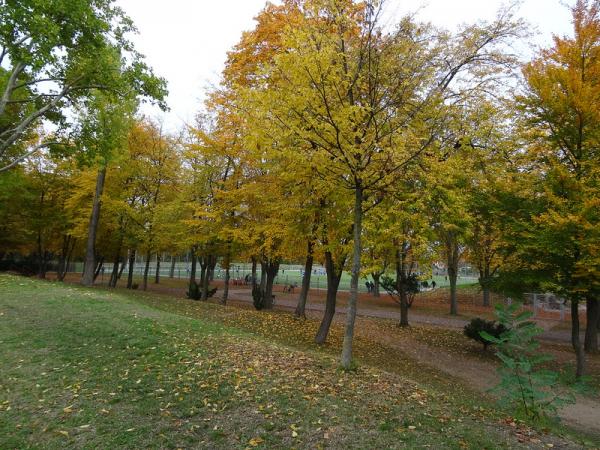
(91, 368)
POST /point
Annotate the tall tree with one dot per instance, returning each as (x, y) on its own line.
(353, 93)
(561, 107)
(53, 54)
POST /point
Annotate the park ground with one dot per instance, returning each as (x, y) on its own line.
(92, 368)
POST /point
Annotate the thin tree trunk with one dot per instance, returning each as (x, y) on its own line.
(226, 264)
(352, 301)
(401, 288)
(60, 272)
(253, 271)
(575, 341)
(453, 300)
(484, 279)
(301, 307)
(205, 276)
(99, 268)
(192, 271)
(226, 286)
(172, 269)
(44, 267)
(452, 261)
(157, 274)
(272, 267)
(591, 328)
(68, 249)
(131, 268)
(114, 276)
(333, 281)
(87, 278)
(123, 263)
(40, 256)
(376, 283)
(206, 263)
(263, 276)
(146, 270)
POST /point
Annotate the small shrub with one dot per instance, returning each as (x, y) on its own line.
(195, 291)
(134, 285)
(525, 385)
(474, 328)
(258, 297)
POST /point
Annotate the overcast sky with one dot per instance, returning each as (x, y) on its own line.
(186, 41)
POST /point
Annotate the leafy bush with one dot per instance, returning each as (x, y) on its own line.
(411, 287)
(474, 328)
(195, 292)
(134, 285)
(258, 297)
(532, 390)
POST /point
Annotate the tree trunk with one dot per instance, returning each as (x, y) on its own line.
(172, 269)
(121, 269)
(452, 274)
(157, 274)
(206, 264)
(272, 267)
(193, 270)
(253, 271)
(591, 328)
(204, 277)
(114, 276)
(346, 360)
(575, 341)
(486, 296)
(131, 268)
(146, 270)
(99, 268)
(484, 281)
(87, 278)
(226, 264)
(40, 256)
(401, 288)
(65, 259)
(452, 254)
(44, 265)
(226, 286)
(301, 307)
(61, 269)
(376, 276)
(333, 281)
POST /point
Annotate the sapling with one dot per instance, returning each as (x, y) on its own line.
(525, 385)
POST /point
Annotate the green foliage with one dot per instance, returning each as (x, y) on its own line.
(478, 325)
(76, 48)
(532, 390)
(411, 284)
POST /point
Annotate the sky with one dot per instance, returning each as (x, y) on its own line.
(186, 41)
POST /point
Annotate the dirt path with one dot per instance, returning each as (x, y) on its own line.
(482, 376)
(477, 374)
(286, 301)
